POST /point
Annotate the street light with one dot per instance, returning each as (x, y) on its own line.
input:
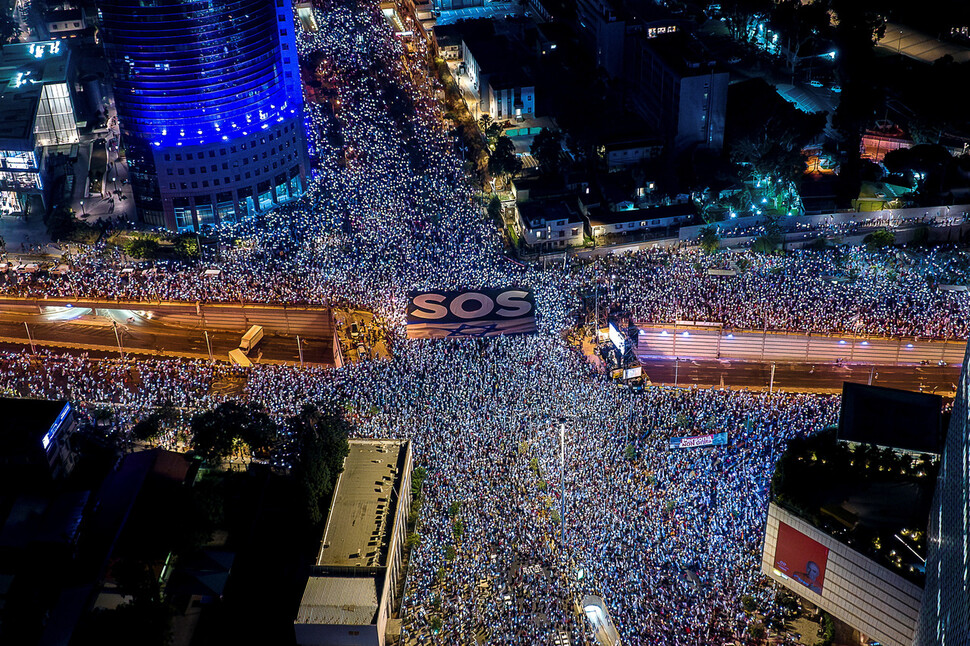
(82, 209)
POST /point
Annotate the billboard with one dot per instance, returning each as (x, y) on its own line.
(470, 313)
(619, 341)
(801, 558)
(899, 419)
(716, 439)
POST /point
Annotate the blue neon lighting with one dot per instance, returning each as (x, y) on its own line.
(56, 426)
(192, 73)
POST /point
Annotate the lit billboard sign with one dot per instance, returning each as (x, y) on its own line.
(800, 558)
(715, 439)
(470, 313)
(617, 338)
(56, 426)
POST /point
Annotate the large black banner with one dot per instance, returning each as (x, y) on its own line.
(469, 313)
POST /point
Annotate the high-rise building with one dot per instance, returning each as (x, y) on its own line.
(945, 613)
(210, 105)
(36, 119)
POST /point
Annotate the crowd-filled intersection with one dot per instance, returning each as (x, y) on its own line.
(670, 539)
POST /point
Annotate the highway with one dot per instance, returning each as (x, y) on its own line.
(291, 320)
(94, 331)
(800, 377)
(712, 343)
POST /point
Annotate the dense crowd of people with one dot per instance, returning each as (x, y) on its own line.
(484, 417)
(389, 210)
(671, 539)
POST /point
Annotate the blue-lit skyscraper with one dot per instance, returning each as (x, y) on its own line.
(945, 613)
(210, 104)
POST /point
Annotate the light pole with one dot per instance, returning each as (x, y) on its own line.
(83, 213)
(562, 483)
(299, 347)
(114, 324)
(33, 350)
(771, 382)
(208, 346)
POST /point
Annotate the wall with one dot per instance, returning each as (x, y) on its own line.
(945, 617)
(955, 211)
(702, 111)
(855, 589)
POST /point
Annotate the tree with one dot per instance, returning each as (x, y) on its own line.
(860, 24)
(141, 247)
(495, 209)
(742, 15)
(321, 440)
(547, 149)
(503, 162)
(147, 429)
(879, 239)
(260, 432)
(709, 239)
(484, 122)
(764, 245)
(213, 431)
(61, 223)
(9, 29)
(800, 24)
(187, 245)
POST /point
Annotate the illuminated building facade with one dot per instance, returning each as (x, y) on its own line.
(945, 614)
(210, 104)
(36, 113)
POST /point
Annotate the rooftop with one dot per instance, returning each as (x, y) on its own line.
(536, 214)
(360, 523)
(604, 216)
(25, 68)
(497, 58)
(683, 53)
(346, 601)
(26, 422)
(868, 498)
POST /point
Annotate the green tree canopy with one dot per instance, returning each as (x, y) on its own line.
(141, 247)
(547, 149)
(215, 430)
(321, 439)
(503, 161)
(709, 239)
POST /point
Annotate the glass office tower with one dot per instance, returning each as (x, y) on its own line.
(209, 100)
(945, 612)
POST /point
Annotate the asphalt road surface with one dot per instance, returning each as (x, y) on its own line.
(95, 331)
(800, 376)
(698, 343)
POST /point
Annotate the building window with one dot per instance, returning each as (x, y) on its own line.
(183, 218)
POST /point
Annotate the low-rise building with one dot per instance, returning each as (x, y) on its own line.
(621, 223)
(846, 528)
(624, 152)
(500, 80)
(36, 438)
(36, 113)
(547, 225)
(65, 23)
(353, 585)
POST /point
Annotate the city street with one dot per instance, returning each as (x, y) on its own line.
(713, 343)
(799, 377)
(84, 329)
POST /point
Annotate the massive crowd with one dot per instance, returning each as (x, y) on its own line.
(671, 539)
(389, 210)
(484, 416)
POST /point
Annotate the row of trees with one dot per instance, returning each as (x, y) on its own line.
(319, 437)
